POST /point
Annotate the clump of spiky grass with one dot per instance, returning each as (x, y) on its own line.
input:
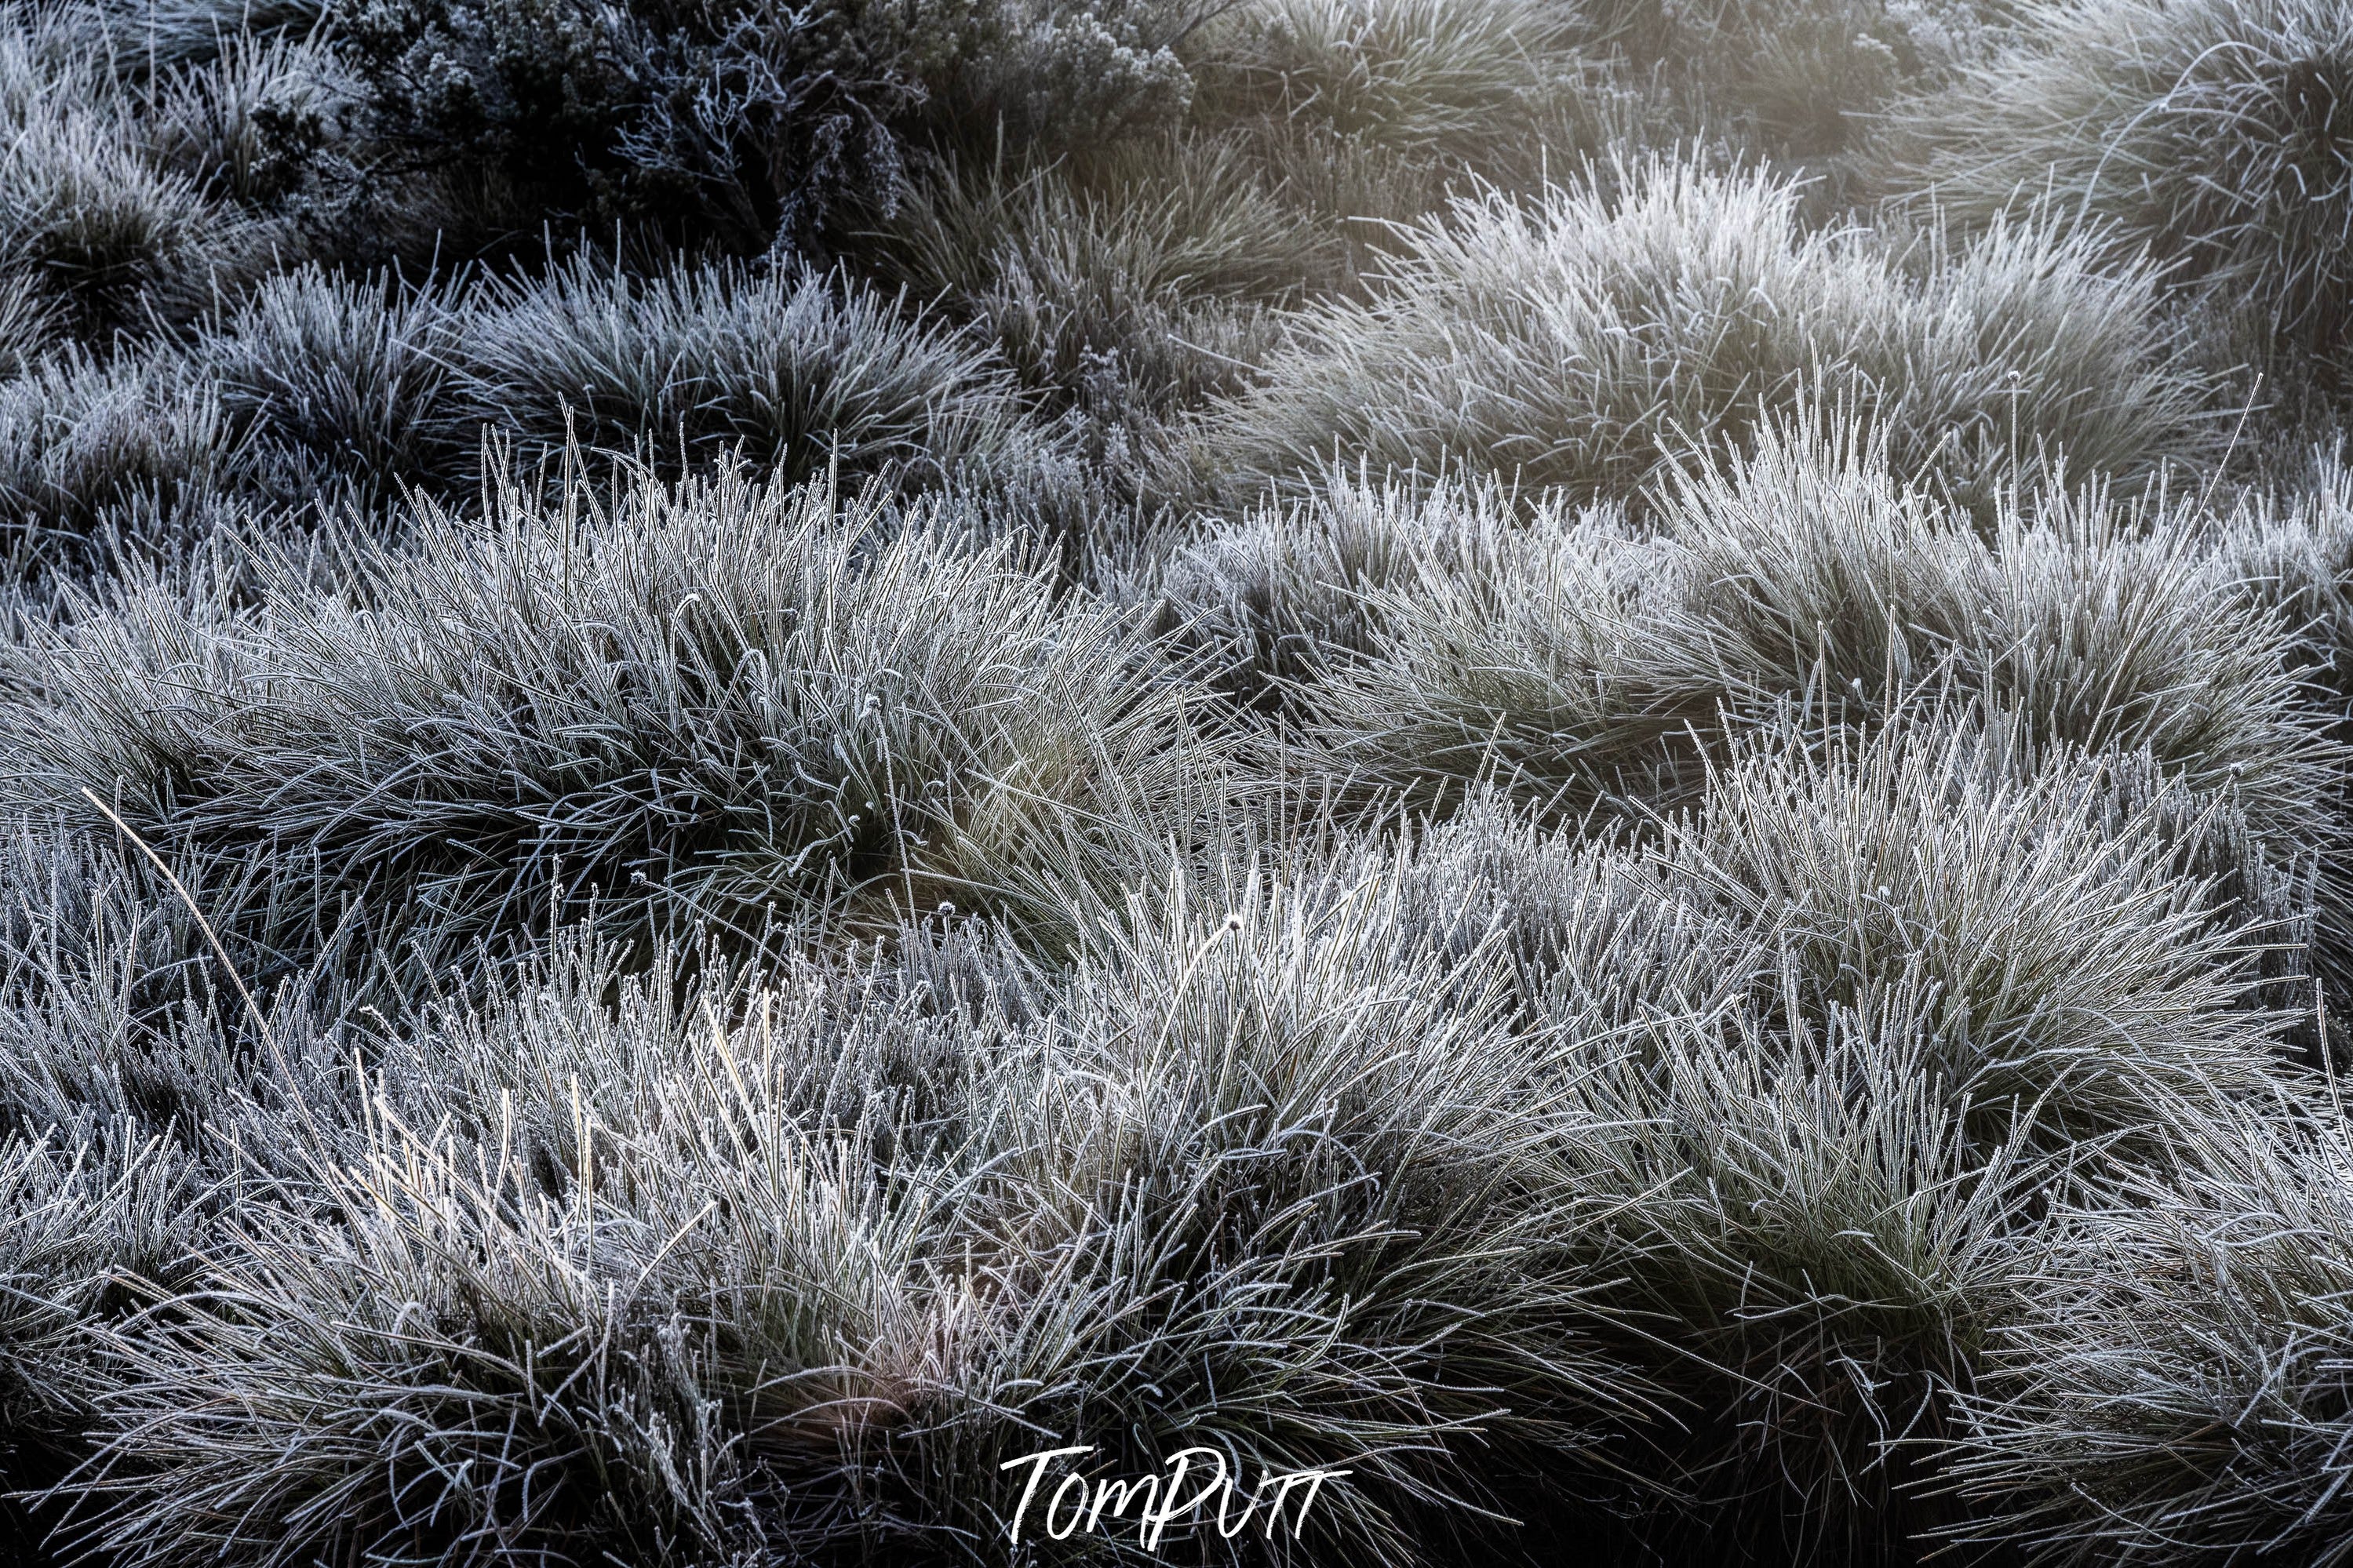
(1364, 114)
(795, 374)
(1290, 589)
(117, 1058)
(351, 378)
(73, 1221)
(1644, 313)
(148, 35)
(1526, 653)
(1916, 984)
(249, 125)
(2292, 553)
(688, 702)
(1135, 285)
(98, 456)
(800, 1272)
(99, 224)
(1290, 1173)
(108, 232)
(2057, 968)
(2179, 1392)
(1599, 938)
(27, 323)
(2295, 559)
(2212, 133)
(1804, 578)
(119, 1025)
(1417, 75)
(1805, 80)
(1822, 1252)
(676, 1353)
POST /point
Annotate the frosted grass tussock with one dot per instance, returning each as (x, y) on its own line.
(689, 702)
(2211, 134)
(1647, 311)
(1803, 578)
(793, 373)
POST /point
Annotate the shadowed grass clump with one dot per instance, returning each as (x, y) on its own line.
(2058, 973)
(120, 1030)
(2179, 1392)
(1298, 1184)
(1366, 113)
(688, 703)
(796, 374)
(1654, 311)
(2217, 135)
(2292, 553)
(1821, 1253)
(146, 36)
(349, 379)
(1121, 287)
(1871, 1006)
(253, 126)
(71, 1219)
(28, 324)
(108, 232)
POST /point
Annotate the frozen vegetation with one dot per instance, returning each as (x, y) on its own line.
(1588, 755)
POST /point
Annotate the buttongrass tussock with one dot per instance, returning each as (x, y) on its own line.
(790, 373)
(702, 701)
(1590, 338)
(2212, 135)
(2176, 1389)
(348, 378)
(1803, 580)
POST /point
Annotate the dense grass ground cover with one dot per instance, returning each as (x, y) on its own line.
(1588, 758)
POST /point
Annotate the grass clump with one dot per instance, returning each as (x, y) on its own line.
(1804, 580)
(1108, 290)
(349, 380)
(2057, 971)
(795, 374)
(2179, 1392)
(111, 233)
(1640, 315)
(471, 1366)
(1357, 1243)
(1412, 75)
(2213, 136)
(684, 702)
(1807, 83)
(1862, 1036)
(624, 1321)
(104, 459)
(1294, 589)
